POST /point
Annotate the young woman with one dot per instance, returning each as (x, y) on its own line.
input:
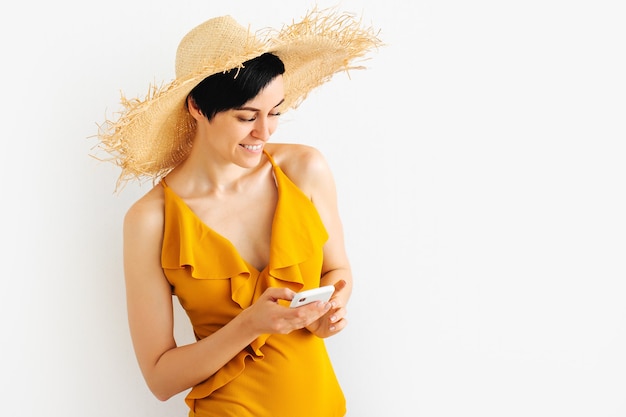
(235, 225)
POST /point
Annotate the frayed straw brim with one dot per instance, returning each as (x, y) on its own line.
(153, 135)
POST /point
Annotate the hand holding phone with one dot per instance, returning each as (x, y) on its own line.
(309, 296)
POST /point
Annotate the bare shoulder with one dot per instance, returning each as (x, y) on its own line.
(146, 213)
(303, 164)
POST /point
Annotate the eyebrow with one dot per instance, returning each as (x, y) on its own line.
(256, 110)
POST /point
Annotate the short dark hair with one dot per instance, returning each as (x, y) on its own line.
(233, 88)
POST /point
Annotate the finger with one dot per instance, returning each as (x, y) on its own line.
(337, 315)
(279, 293)
(338, 326)
(339, 285)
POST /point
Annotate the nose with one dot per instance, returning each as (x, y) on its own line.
(263, 128)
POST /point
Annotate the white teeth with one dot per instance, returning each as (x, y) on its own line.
(252, 147)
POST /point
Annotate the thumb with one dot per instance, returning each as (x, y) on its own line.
(339, 285)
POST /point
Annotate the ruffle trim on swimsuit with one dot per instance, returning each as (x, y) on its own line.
(298, 237)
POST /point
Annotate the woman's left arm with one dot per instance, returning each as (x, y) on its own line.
(320, 185)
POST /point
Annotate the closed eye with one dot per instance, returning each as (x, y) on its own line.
(256, 111)
(252, 119)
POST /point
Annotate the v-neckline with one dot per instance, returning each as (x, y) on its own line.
(219, 235)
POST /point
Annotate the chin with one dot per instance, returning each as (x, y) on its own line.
(249, 161)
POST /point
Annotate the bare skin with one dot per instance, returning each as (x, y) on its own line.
(231, 188)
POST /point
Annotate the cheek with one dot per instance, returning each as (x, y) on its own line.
(273, 124)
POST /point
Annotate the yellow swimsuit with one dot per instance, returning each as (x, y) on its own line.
(276, 375)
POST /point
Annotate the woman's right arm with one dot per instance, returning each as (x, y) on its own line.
(167, 368)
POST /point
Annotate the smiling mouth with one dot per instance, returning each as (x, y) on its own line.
(252, 147)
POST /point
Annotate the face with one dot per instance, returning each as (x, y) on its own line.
(239, 135)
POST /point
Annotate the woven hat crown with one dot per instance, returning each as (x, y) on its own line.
(198, 51)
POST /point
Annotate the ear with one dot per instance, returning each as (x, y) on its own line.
(194, 110)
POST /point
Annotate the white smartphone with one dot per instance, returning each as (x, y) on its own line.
(310, 296)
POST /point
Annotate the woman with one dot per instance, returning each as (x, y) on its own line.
(236, 225)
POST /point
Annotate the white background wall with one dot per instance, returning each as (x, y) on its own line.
(480, 165)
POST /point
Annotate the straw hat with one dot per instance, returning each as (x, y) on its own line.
(151, 136)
